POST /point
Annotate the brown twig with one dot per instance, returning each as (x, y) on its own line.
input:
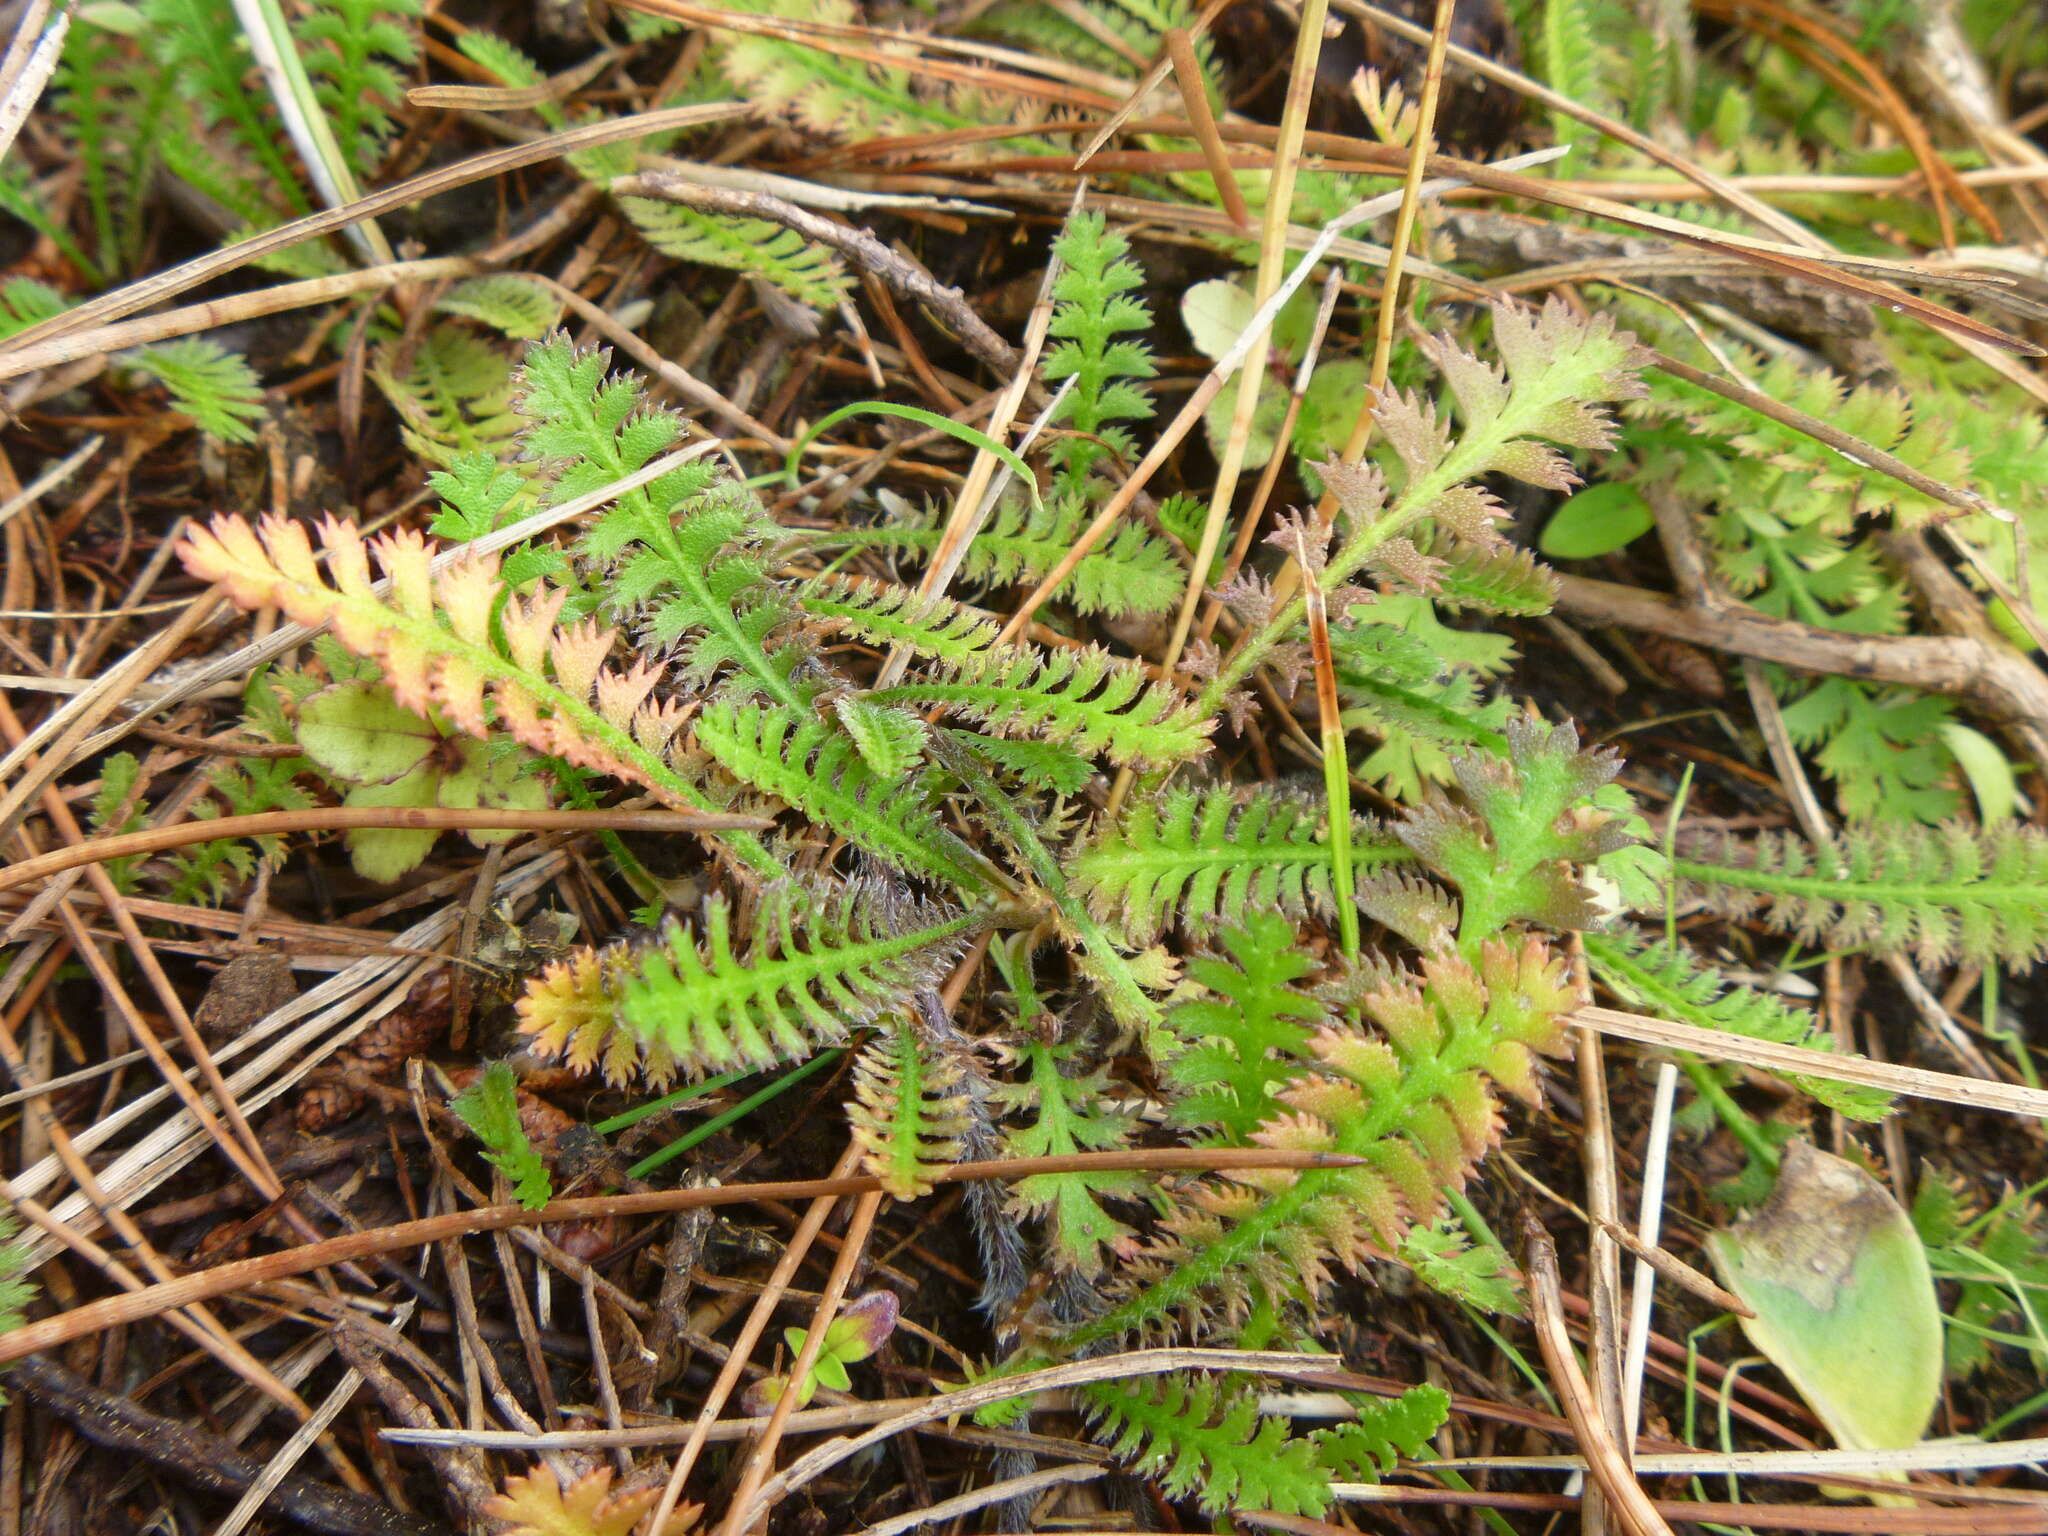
(224, 1279)
(338, 818)
(1676, 1270)
(1998, 680)
(201, 1459)
(459, 1467)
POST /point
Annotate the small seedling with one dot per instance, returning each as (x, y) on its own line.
(852, 1336)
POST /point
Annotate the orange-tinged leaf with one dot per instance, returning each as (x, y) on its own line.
(578, 652)
(403, 554)
(620, 694)
(538, 1505)
(468, 589)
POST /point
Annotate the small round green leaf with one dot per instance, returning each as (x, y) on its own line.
(490, 780)
(1597, 521)
(357, 732)
(1843, 1298)
(1986, 767)
(385, 853)
(1216, 313)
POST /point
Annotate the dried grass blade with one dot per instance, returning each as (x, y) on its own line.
(1794, 1060)
(190, 274)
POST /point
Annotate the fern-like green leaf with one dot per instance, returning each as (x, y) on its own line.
(810, 968)
(1196, 1437)
(1491, 580)
(200, 46)
(810, 274)
(1674, 985)
(1093, 313)
(490, 1107)
(16, 1291)
(794, 756)
(216, 388)
(890, 741)
(1510, 844)
(1446, 1260)
(1248, 1037)
(882, 614)
(479, 496)
(1035, 764)
(831, 95)
(1410, 1093)
(505, 301)
(1386, 1429)
(1131, 572)
(454, 395)
(686, 548)
(1400, 674)
(1207, 859)
(1940, 893)
(206, 874)
(1137, 26)
(25, 302)
(1087, 699)
(353, 52)
(907, 1111)
(119, 774)
(1561, 370)
(1069, 1114)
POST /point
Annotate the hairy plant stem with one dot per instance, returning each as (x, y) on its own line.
(1948, 894)
(1127, 999)
(1471, 452)
(1740, 1123)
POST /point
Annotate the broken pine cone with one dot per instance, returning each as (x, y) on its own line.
(407, 1031)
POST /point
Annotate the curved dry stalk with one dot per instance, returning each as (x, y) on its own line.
(159, 286)
(225, 1279)
(340, 818)
(1799, 1061)
(1138, 1362)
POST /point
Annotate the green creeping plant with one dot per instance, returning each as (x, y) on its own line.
(1175, 952)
